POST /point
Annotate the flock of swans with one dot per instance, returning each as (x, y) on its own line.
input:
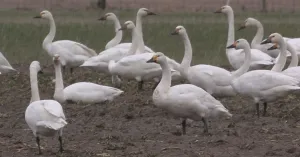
(135, 61)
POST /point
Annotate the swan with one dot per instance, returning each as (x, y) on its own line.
(255, 44)
(212, 79)
(259, 59)
(85, 92)
(44, 117)
(293, 69)
(263, 86)
(135, 66)
(5, 67)
(184, 100)
(119, 34)
(73, 54)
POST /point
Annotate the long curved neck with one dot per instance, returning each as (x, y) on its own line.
(188, 54)
(49, 38)
(259, 34)
(294, 61)
(246, 65)
(165, 82)
(35, 96)
(118, 37)
(141, 47)
(282, 57)
(230, 37)
(59, 85)
(135, 43)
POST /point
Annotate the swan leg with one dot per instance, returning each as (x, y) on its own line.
(205, 125)
(140, 85)
(183, 124)
(116, 81)
(60, 144)
(257, 109)
(265, 108)
(38, 143)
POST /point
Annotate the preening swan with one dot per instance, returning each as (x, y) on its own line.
(135, 66)
(184, 100)
(72, 54)
(119, 33)
(262, 85)
(44, 117)
(212, 79)
(5, 67)
(259, 59)
(85, 92)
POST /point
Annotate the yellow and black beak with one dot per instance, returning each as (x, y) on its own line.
(153, 59)
(123, 27)
(176, 32)
(274, 47)
(151, 13)
(232, 46)
(103, 18)
(38, 17)
(242, 27)
(266, 41)
(218, 11)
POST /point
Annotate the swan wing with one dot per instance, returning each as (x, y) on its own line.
(74, 47)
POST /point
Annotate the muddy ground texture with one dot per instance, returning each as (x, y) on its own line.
(132, 126)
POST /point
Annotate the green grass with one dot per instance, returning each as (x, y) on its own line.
(21, 36)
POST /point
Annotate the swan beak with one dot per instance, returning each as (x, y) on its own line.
(266, 41)
(232, 46)
(174, 33)
(242, 27)
(152, 60)
(274, 47)
(218, 11)
(103, 18)
(151, 13)
(38, 17)
(124, 27)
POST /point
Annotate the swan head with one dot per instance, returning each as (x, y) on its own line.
(273, 38)
(127, 25)
(239, 44)
(248, 22)
(225, 9)
(44, 15)
(108, 16)
(56, 59)
(35, 65)
(179, 30)
(145, 12)
(158, 57)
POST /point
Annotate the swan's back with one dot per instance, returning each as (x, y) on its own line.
(90, 92)
(75, 48)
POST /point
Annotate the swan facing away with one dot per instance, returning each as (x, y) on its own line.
(186, 101)
(262, 85)
(44, 117)
(73, 54)
(259, 59)
(85, 92)
(5, 67)
(115, 42)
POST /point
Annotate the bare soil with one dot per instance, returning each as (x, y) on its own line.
(132, 126)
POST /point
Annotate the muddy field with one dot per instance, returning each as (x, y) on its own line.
(132, 126)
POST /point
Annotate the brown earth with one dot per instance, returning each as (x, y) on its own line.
(132, 126)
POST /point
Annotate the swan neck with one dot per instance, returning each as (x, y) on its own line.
(35, 96)
(246, 65)
(59, 86)
(295, 60)
(50, 37)
(259, 34)
(282, 57)
(230, 18)
(135, 43)
(141, 46)
(188, 52)
(165, 82)
(118, 37)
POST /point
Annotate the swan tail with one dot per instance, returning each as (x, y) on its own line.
(91, 52)
(52, 125)
(111, 66)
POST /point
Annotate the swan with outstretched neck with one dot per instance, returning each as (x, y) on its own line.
(44, 117)
(186, 101)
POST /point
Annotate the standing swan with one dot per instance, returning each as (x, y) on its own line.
(119, 33)
(73, 54)
(44, 117)
(259, 59)
(184, 100)
(85, 92)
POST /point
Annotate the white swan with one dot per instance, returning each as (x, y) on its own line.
(5, 67)
(184, 100)
(44, 117)
(259, 59)
(135, 66)
(212, 79)
(85, 92)
(72, 54)
(263, 85)
(119, 34)
(255, 44)
(293, 69)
